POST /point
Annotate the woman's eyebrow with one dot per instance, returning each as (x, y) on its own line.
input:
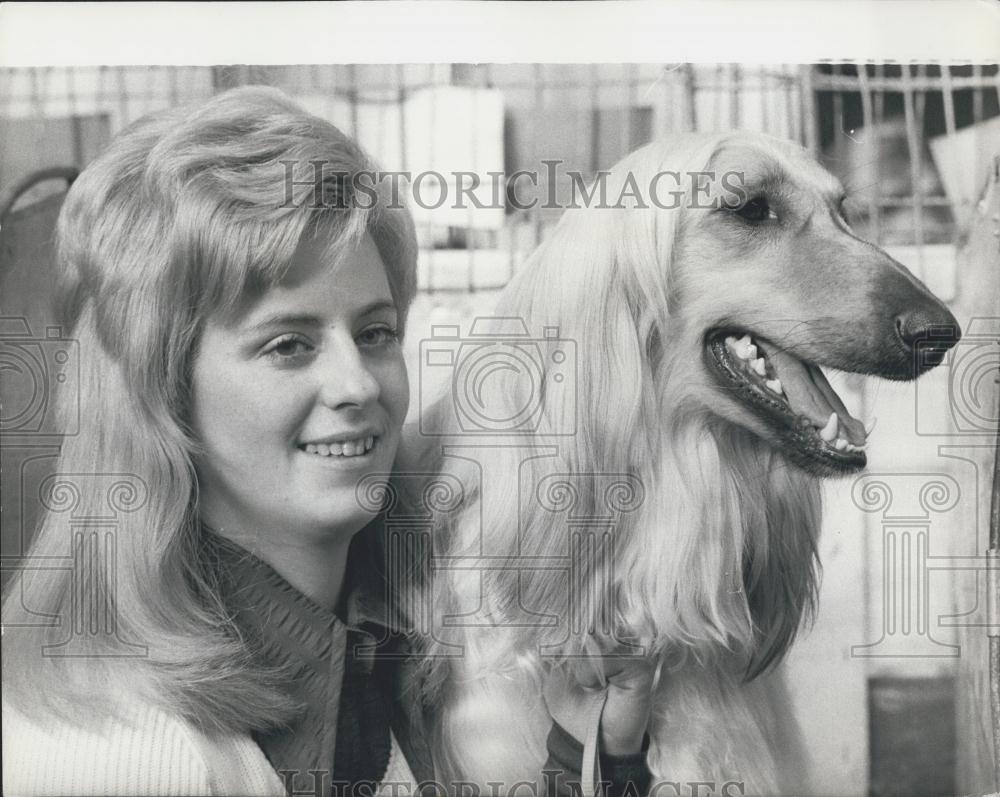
(285, 319)
(378, 304)
(310, 320)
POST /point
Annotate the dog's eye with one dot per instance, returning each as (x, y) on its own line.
(756, 209)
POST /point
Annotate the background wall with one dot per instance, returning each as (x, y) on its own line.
(902, 612)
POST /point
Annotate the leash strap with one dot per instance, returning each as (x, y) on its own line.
(590, 771)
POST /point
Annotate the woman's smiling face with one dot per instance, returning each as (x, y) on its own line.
(299, 398)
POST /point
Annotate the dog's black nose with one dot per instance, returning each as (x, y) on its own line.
(929, 331)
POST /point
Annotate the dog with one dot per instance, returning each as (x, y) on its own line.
(663, 498)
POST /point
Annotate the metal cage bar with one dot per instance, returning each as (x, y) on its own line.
(803, 103)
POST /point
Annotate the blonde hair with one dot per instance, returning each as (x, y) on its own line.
(186, 214)
(694, 570)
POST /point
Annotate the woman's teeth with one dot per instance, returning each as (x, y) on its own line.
(746, 351)
(347, 448)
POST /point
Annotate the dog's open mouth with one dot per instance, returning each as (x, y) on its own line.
(794, 397)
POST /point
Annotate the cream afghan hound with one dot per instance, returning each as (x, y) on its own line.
(654, 490)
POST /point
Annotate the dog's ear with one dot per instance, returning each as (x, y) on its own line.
(583, 282)
(778, 512)
(780, 572)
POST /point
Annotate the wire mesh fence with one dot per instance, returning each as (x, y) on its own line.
(909, 142)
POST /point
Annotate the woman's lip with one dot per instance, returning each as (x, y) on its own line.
(339, 439)
(340, 458)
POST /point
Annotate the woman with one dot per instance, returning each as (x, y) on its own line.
(238, 304)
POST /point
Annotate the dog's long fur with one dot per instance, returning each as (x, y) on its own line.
(713, 563)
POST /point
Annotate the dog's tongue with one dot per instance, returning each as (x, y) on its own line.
(810, 394)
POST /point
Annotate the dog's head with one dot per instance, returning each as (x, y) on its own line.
(743, 278)
(775, 286)
(767, 285)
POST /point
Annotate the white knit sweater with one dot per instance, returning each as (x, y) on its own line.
(148, 752)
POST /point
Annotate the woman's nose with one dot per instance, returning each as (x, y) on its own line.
(347, 379)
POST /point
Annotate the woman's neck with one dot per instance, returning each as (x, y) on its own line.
(315, 567)
(316, 571)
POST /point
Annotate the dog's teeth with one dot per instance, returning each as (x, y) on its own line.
(852, 447)
(758, 366)
(829, 432)
(870, 427)
(745, 349)
(774, 385)
(742, 348)
(841, 444)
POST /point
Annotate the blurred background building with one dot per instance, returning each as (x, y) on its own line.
(891, 683)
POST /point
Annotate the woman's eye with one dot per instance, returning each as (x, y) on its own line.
(756, 209)
(377, 336)
(287, 347)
